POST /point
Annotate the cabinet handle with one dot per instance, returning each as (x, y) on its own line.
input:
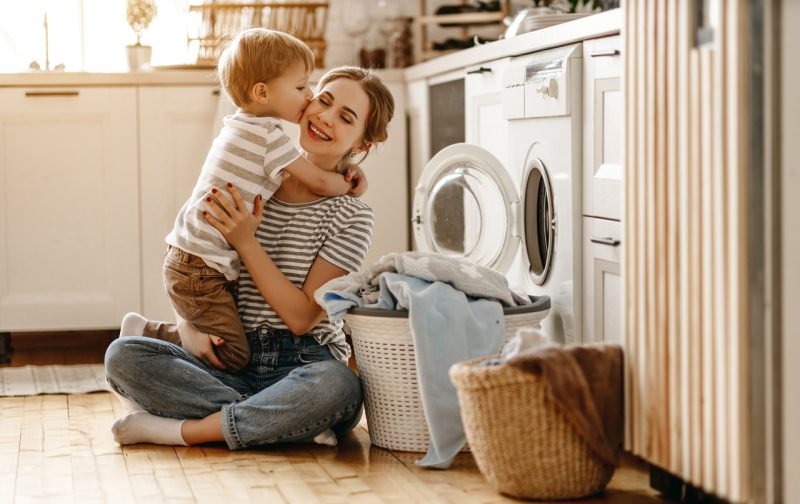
(34, 94)
(215, 92)
(605, 52)
(613, 242)
(479, 70)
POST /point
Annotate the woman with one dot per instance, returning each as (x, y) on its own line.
(297, 385)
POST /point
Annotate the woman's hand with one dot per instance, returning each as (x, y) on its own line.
(355, 173)
(237, 225)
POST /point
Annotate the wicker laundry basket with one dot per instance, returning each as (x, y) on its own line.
(523, 446)
(384, 352)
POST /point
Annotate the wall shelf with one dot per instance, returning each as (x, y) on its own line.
(464, 23)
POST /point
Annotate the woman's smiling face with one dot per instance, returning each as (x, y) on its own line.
(333, 123)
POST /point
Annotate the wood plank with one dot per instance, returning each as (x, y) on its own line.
(11, 421)
(694, 236)
(641, 253)
(660, 280)
(629, 243)
(673, 238)
(735, 13)
(651, 347)
(720, 287)
(683, 122)
(707, 269)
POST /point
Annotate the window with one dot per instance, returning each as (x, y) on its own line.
(86, 35)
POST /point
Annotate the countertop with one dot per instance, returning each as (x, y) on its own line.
(589, 27)
(158, 77)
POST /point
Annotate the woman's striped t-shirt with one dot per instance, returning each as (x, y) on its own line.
(338, 229)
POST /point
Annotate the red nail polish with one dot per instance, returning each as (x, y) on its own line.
(208, 199)
(205, 213)
(230, 185)
(214, 190)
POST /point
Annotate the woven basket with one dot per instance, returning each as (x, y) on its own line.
(384, 351)
(522, 444)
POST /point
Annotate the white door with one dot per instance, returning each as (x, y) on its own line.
(69, 208)
(603, 123)
(175, 132)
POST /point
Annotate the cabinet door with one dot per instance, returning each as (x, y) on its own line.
(603, 123)
(69, 208)
(175, 133)
(485, 124)
(602, 295)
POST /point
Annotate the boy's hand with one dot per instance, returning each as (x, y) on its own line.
(358, 181)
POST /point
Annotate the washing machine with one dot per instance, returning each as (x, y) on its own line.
(521, 217)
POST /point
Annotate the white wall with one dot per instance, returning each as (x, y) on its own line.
(790, 267)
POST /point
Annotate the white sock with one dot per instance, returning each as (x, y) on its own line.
(142, 427)
(326, 437)
(132, 325)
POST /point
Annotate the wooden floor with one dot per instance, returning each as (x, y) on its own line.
(58, 448)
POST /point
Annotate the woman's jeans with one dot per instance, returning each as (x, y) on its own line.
(292, 390)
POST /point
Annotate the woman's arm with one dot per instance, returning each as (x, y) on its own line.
(296, 307)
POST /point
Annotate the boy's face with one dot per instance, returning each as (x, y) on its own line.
(288, 94)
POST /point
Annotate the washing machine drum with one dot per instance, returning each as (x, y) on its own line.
(466, 205)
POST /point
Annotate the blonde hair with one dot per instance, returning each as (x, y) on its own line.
(381, 102)
(258, 55)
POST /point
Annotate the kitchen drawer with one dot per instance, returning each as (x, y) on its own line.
(602, 280)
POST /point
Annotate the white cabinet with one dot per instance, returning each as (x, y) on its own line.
(602, 189)
(603, 124)
(602, 294)
(175, 134)
(69, 209)
(484, 122)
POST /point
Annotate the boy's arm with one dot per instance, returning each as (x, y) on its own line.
(358, 180)
(319, 181)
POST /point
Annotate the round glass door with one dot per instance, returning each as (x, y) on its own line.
(466, 214)
(540, 222)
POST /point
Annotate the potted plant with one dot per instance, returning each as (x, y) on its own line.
(139, 13)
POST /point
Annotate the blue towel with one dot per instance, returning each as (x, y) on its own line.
(448, 327)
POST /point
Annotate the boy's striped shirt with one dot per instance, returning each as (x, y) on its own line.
(250, 152)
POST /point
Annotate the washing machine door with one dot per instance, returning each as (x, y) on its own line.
(539, 224)
(465, 205)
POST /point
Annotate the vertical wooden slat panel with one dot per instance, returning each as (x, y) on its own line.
(651, 355)
(736, 145)
(721, 327)
(683, 202)
(641, 252)
(686, 255)
(695, 237)
(661, 392)
(707, 268)
(673, 239)
(629, 223)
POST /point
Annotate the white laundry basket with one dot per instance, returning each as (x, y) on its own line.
(384, 351)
